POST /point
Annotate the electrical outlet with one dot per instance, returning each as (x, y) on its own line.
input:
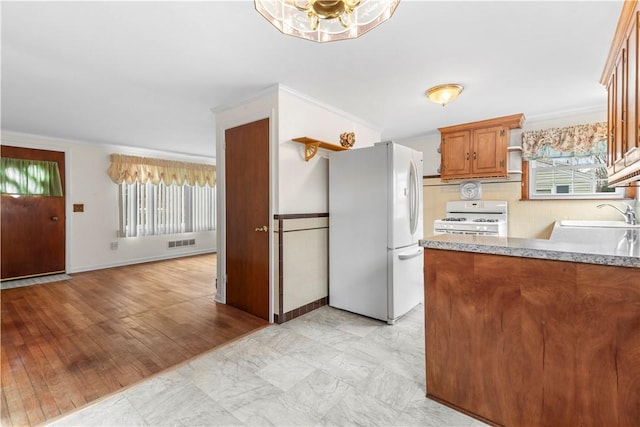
(114, 246)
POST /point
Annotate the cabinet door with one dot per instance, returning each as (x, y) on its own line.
(631, 116)
(611, 119)
(489, 152)
(618, 137)
(456, 154)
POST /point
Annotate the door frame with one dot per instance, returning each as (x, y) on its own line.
(32, 142)
(221, 285)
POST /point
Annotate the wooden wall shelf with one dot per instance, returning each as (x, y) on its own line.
(311, 146)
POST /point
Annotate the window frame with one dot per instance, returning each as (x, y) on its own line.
(617, 194)
(621, 193)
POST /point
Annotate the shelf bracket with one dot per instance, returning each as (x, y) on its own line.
(310, 150)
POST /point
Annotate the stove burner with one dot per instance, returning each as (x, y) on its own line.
(485, 220)
(454, 219)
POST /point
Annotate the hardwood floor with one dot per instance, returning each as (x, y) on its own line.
(67, 343)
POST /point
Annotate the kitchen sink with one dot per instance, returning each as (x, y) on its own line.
(596, 223)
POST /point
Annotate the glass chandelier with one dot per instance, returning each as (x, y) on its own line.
(326, 20)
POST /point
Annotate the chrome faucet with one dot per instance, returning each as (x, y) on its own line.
(628, 214)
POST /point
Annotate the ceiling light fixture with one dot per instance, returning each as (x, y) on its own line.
(326, 20)
(443, 94)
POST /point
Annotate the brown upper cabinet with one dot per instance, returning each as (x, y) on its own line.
(620, 76)
(477, 149)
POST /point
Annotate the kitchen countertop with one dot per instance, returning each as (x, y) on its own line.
(590, 246)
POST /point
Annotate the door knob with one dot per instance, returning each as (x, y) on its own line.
(264, 228)
(54, 218)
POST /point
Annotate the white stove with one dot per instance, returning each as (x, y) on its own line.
(479, 217)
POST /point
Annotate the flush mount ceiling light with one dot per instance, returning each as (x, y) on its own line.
(326, 20)
(443, 94)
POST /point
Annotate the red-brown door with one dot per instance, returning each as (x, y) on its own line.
(247, 217)
(33, 227)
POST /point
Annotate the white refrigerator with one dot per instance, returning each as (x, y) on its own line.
(375, 222)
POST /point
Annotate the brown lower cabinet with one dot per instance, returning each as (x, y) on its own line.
(531, 342)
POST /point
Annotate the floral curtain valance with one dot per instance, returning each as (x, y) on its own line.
(570, 141)
(25, 177)
(142, 169)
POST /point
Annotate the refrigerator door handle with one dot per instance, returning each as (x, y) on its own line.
(413, 198)
(412, 254)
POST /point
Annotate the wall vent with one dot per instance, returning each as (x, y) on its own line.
(181, 243)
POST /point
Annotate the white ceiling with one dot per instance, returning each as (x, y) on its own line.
(146, 74)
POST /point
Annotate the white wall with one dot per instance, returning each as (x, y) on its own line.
(90, 233)
(428, 144)
(304, 186)
(297, 186)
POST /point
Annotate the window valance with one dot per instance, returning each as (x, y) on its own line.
(26, 177)
(142, 169)
(571, 141)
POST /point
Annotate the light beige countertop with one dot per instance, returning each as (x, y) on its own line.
(592, 246)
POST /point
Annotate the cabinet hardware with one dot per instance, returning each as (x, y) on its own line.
(501, 163)
(467, 156)
(475, 156)
(501, 132)
(264, 228)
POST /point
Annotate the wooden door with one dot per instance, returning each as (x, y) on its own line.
(247, 217)
(456, 154)
(489, 152)
(33, 227)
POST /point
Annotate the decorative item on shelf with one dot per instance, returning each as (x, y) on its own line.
(470, 190)
(443, 94)
(326, 20)
(347, 139)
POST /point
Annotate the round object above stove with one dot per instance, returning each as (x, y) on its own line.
(470, 190)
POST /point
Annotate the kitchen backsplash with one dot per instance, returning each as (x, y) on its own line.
(527, 219)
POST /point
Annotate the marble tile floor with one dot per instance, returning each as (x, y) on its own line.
(326, 368)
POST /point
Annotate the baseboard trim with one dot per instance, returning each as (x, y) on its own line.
(297, 312)
(138, 261)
